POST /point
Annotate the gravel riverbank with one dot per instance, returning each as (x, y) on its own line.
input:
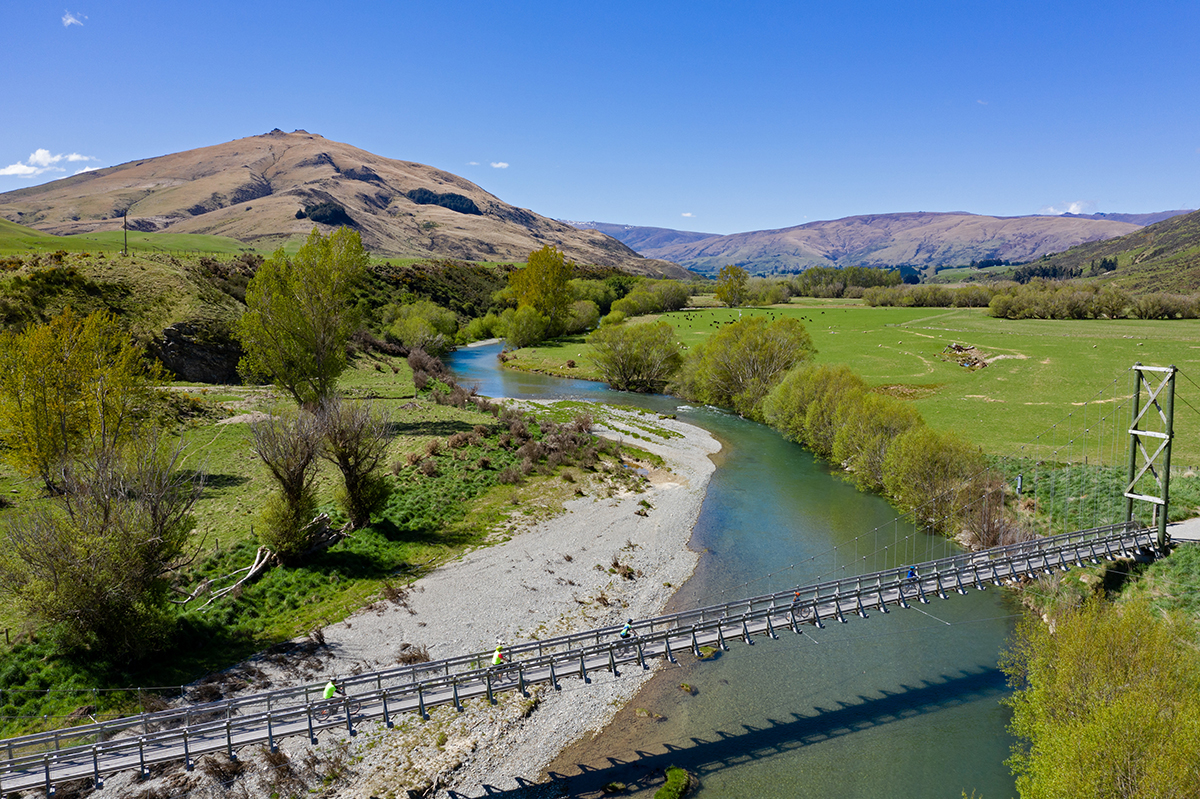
(550, 577)
(545, 581)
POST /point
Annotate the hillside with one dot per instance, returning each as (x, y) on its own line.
(1164, 256)
(917, 239)
(643, 239)
(252, 190)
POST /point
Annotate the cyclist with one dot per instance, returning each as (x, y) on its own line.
(912, 573)
(499, 657)
(332, 688)
(627, 630)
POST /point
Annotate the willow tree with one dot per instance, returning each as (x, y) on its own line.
(740, 365)
(544, 286)
(640, 357)
(300, 315)
(69, 389)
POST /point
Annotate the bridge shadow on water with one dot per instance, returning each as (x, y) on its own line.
(641, 770)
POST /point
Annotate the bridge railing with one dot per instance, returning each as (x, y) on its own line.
(252, 718)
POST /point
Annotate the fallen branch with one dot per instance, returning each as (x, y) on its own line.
(262, 559)
(200, 589)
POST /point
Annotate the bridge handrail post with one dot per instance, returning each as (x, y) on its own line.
(187, 755)
(387, 719)
(96, 781)
(229, 736)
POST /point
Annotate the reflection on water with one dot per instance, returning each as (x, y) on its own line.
(903, 704)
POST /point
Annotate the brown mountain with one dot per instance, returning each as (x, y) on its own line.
(917, 239)
(251, 190)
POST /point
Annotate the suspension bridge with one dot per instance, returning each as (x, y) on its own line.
(183, 734)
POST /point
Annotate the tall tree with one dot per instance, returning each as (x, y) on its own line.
(300, 315)
(543, 285)
(731, 285)
(69, 389)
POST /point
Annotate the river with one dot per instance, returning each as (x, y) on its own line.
(905, 704)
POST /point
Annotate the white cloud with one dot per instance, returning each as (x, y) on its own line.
(42, 160)
(499, 165)
(688, 214)
(70, 19)
(982, 102)
(472, 163)
(1075, 207)
(86, 169)
(19, 169)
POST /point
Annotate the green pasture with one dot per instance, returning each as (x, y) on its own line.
(1040, 373)
(19, 240)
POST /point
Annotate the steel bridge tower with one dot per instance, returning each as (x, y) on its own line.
(1157, 429)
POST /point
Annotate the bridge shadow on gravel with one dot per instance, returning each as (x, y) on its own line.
(700, 756)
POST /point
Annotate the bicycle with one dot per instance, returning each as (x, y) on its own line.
(332, 708)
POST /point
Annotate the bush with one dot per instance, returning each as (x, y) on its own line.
(527, 327)
(930, 474)
(421, 325)
(636, 357)
(739, 365)
(328, 213)
(602, 293)
(584, 315)
(284, 522)
(614, 318)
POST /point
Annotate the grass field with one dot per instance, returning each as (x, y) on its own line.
(19, 240)
(1039, 373)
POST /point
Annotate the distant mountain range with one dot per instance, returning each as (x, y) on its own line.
(267, 189)
(917, 239)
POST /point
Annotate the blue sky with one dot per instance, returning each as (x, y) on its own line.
(718, 117)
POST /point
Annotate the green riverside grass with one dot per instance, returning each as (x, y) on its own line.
(1040, 370)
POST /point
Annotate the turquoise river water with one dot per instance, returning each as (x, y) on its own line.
(903, 705)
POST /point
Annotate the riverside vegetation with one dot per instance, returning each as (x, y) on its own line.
(453, 468)
(452, 456)
(1084, 664)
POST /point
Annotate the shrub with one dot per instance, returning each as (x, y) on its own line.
(636, 357)
(739, 365)
(328, 213)
(526, 328)
(421, 325)
(584, 315)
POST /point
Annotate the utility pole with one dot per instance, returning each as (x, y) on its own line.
(125, 226)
